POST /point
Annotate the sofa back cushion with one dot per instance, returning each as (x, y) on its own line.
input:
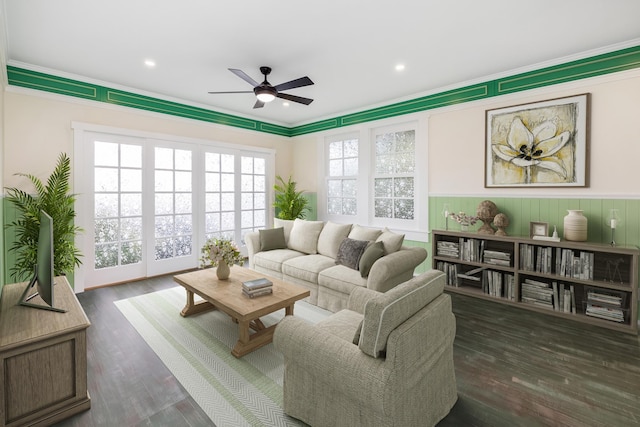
(359, 232)
(304, 236)
(331, 236)
(385, 312)
(287, 224)
(391, 241)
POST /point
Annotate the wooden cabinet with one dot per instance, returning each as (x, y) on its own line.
(43, 357)
(587, 282)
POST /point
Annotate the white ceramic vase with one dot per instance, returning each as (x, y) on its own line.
(575, 226)
(223, 271)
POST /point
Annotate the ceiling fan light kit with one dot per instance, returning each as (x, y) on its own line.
(265, 92)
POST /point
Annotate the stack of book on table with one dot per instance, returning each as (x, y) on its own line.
(257, 287)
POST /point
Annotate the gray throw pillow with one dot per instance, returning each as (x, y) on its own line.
(272, 239)
(373, 252)
(350, 252)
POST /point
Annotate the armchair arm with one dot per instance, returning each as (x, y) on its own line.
(395, 268)
(252, 240)
(359, 297)
(336, 362)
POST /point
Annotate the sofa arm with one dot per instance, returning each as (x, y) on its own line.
(338, 363)
(386, 271)
(358, 299)
(252, 241)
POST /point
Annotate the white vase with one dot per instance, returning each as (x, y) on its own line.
(223, 271)
(575, 226)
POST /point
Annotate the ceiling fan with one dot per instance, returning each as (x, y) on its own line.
(265, 92)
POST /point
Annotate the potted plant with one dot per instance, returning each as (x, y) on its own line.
(289, 202)
(221, 253)
(54, 198)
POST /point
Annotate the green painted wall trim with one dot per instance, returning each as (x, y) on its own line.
(611, 62)
(63, 86)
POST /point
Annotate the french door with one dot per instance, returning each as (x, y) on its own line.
(147, 205)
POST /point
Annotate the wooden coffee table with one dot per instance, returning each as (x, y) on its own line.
(226, 296)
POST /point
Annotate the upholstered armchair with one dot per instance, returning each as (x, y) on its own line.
(386, 360)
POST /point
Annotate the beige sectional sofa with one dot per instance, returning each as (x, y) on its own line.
(331, 259)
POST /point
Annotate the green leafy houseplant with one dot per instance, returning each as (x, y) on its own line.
(54, 198)
(288, 200)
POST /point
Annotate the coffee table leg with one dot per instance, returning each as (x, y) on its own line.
(192, 308)
(288, 311)
(248, 342)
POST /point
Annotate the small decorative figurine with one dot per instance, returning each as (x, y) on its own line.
(501, 221)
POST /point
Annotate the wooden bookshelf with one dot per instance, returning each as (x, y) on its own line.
(586, 282)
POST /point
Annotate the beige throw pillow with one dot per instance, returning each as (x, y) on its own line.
(304, 236)
(359, 232)
(287, 224)
(331, 236)
(391, 241)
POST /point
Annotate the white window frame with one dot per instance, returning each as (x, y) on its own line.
(83, 168)
(416, 229)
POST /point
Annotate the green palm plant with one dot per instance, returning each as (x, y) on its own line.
(290, 202)
(54, 198)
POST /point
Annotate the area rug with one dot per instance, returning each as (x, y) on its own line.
(197, 351)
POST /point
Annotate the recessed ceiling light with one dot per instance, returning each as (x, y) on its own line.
(400, 67)
(285, 104)
(150, 63)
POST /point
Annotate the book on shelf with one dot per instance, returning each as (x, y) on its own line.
(554, 295)
(254, 284)
(257, 292)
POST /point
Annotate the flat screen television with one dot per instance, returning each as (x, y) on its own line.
(43, 278)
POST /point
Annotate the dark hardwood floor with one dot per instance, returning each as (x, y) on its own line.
(513, 368)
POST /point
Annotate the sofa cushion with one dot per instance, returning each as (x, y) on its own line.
(374, 252)
(342, 324)
(287, 224)
(359, 232)
(330, 238)
(350, 252)
(341, 279)
(392, 241)
(304, 236)
(385, 312)
(272, 260)
(272, 239)
(306, 267)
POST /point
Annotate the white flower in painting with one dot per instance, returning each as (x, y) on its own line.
(526, 148)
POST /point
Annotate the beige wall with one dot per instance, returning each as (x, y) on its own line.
(456, 142)
(38, 128)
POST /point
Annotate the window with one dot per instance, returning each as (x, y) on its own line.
(343, 177)
(393, 182)
(147, 204)
(374, 177)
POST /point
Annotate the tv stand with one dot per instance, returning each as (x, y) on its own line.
(43, 359)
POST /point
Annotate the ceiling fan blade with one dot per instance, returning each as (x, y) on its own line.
(241, 91)
(244, 76)
(294, 98)
(302, 81)
(258, 104)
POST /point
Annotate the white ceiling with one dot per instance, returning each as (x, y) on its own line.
(349, 48)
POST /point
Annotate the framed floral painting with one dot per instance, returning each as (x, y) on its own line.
(543, 144)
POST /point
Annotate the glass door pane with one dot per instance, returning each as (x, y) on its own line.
(173, 243)
(118, 250)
